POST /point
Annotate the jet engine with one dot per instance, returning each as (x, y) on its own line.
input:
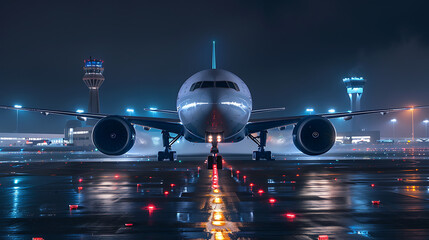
(314, 135)
(113, 135)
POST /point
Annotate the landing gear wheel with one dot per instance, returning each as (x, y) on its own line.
(256, 155)
(161, 156)
(219, 162)
(172, 156)
(210, 161)
(269, 156)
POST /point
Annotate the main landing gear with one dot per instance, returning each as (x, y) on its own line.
(261, 142)
(167, 153)
(214, 158)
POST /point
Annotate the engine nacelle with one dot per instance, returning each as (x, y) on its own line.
(113, 135)
(314, 135)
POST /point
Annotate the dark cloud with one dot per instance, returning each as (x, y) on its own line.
(290, 53)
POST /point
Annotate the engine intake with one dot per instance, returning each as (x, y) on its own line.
(113, 135)
(314, 135)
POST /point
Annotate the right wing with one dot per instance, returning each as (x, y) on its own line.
(168, 124)
(258, 125)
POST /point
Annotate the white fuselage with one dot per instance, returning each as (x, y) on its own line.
(214, 102)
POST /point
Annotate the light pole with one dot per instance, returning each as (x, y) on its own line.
(393, 121)
(426, 124)
(412, 124)
(17, 115)
(309, 110)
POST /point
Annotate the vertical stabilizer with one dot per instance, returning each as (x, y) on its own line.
(214, 56)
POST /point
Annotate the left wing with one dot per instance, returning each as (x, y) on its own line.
(258, 125)
(171, 125)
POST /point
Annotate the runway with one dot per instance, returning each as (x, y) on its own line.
(285, 199)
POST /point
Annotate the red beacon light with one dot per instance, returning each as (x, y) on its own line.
(172, 185)
(73, 207)
(373, 185)
(151, 207)
(260, 191)
(272, 200)
(237, 172)
(323, 237)
(251, 184)
(166, 193)
(290, 215)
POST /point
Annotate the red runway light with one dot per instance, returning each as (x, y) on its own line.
(139, 185)
(151, 207)
(238, 172)
(373, 185)
(38, 238)
(73, 207)
(292, 182)
(129, 224)
(272, 200)
(251, 184)
(80, 179)
(290, 215)
(377, 202)
(116, 176)
(166, 193)
(244, 177)
(79, 188)
(172, 185)
(260, 191)
(323, 237)
(297, 175)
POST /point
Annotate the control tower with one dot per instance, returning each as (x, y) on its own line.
(354, 87)
(93, 79)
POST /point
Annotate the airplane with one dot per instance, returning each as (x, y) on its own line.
(213, 106)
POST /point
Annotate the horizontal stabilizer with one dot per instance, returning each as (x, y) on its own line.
(268, 110)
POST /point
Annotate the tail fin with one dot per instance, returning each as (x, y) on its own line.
(214, 56)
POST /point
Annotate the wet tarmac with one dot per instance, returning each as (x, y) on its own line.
(292, 199)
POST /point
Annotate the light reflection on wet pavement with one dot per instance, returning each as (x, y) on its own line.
(253, 200)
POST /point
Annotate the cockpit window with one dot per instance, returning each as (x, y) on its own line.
(212, 84)
(207, 84)
(222, 84)
(236, 87)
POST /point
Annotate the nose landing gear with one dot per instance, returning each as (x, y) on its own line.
(214, 158)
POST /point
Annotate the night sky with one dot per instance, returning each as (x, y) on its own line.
(290, 53)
